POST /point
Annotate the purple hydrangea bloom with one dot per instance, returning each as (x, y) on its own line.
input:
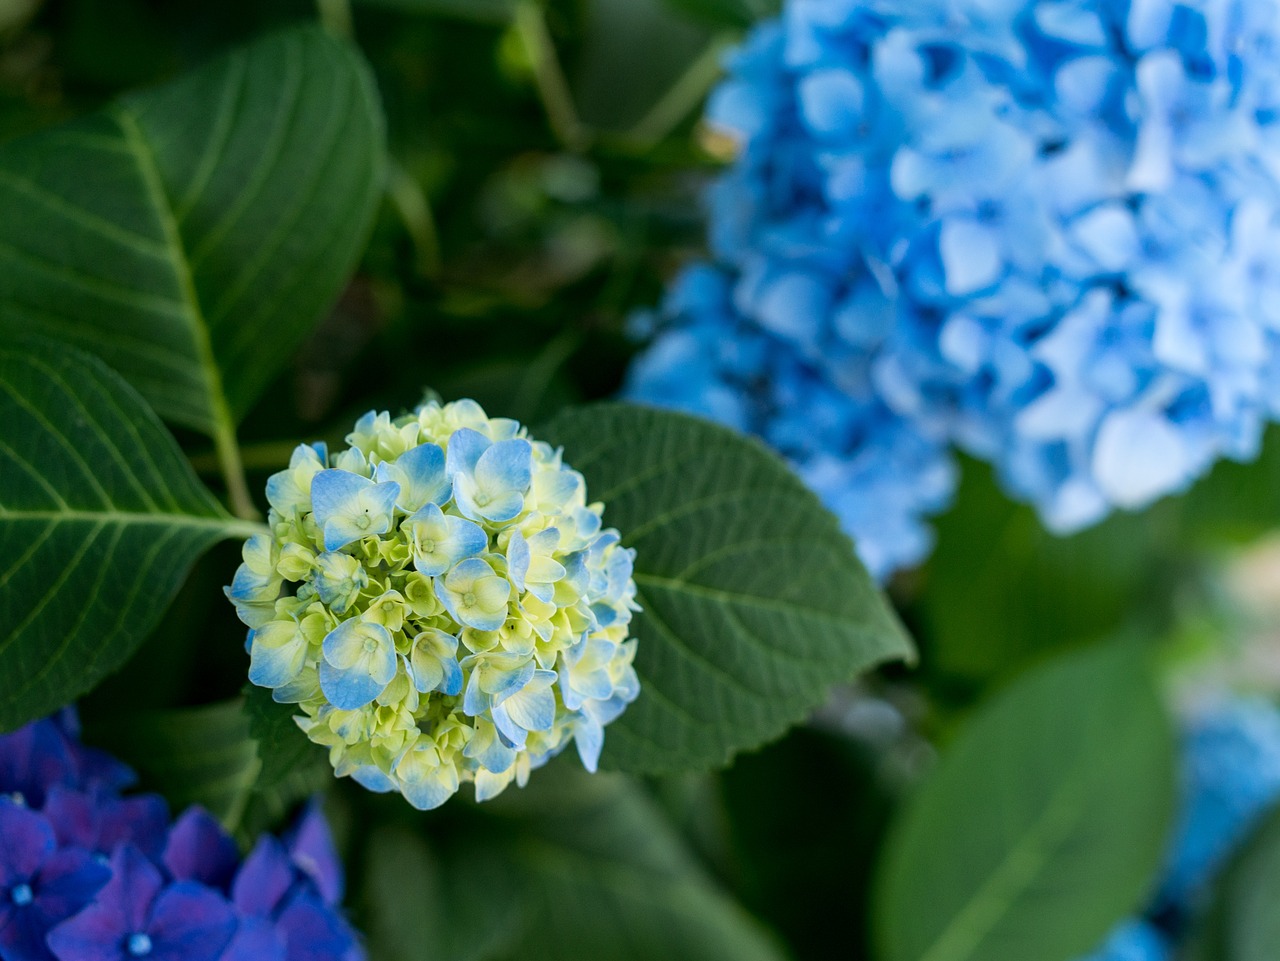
(42, 883)
(1043, 230)
(89, 874)
(141, 914)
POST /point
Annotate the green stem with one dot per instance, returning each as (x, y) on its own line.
(411, 204)
(541, 370)
(232, 468)
(683, 96)
(222, 424)
(336, 17)
(243, 530)
(269, 455)
(553, 88)
(235, 813)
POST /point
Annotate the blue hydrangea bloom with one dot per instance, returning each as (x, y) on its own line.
(441, 602)
(1042, 229)
(875, 470)
(1230, 780)
(90, 874)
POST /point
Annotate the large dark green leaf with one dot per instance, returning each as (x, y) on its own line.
(1044, 824)
(191, 235)
(754, 603)
(604, 875)
(290, 767)
(461, 903)
(1001, 589)
(200, 755)
(288, 757)
(1237, 502)
(100, 520)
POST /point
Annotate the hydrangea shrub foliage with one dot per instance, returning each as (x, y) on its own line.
(1038, 232)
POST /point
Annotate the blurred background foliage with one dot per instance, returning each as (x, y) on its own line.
(545, 181)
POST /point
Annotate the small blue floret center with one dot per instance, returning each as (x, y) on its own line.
(139, 945)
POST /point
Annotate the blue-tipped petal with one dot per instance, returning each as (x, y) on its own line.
(421, 475)
(425, 782)
(507, 465)
(465, 449)
(488, 750)
(334, 491)
(588, 735)
(533, 707)
(349, 507)
(474, 702)
(372, 779)
(518, 556)
(277, 652)
(348, 690)
(359, 662)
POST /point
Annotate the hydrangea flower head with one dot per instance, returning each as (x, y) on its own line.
(878, 472)
(441, 603)
(90, 874)
(1042, 229)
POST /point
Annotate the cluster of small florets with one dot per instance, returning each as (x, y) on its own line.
(879, 473)
(441, 604)
(1230, 780)
(1046, 229)
(88, 873)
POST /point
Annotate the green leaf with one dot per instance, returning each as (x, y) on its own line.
(193, 234)
(235, 758)
(1043, 825)
(449, 904)
(1237, 502)
(101, 519)
(200, 755)
(1242, 923)
(291, 767)
(1001, 589)
(811, 883)
(288, 756)
(754, 603)
(601, 868)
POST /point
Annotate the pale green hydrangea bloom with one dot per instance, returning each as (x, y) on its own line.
(441, 604)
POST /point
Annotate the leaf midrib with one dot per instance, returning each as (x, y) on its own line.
(1012, 878)
(221, 423)
(227, 526)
